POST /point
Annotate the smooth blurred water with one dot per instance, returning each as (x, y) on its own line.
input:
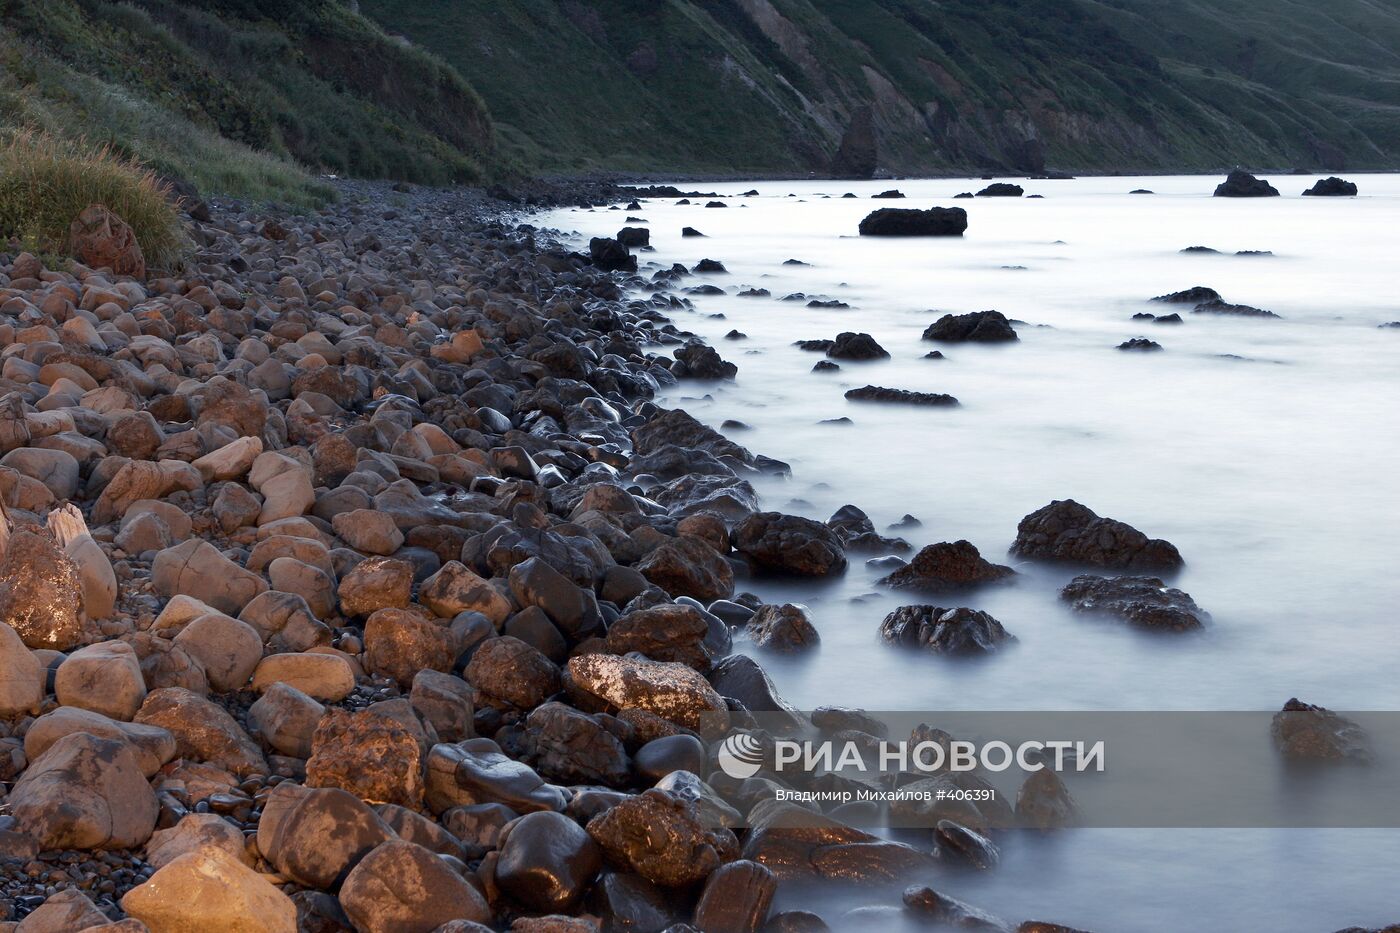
(1267, 450)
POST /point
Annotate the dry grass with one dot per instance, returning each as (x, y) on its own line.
(46, 182)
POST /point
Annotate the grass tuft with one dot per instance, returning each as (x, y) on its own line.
(45, 182)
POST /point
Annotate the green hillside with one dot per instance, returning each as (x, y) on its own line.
(258, 97)
(774, 85)
(247, 97)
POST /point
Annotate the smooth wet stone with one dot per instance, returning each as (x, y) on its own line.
(669, 632)
(455, 588)
(546, 862)
(660, 757)
(65, 911)
(572, 747)
(1043, 802)
(368, 531)
(477, 771)
(736, 898)
(444, 701)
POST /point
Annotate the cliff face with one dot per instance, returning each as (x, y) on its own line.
(1011, 85)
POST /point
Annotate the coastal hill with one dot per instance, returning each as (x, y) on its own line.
(918, 86)
(255, 97)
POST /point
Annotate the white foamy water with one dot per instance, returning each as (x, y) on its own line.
(1267, 450)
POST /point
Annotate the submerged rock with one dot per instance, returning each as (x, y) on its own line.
(1217, 306)
(1140, 344)
(1069, 532)
(944, 631)
(1145, 602)
(900, 396)
(1306, 732)
(1196, 294)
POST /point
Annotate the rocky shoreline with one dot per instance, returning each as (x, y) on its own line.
(353, 581)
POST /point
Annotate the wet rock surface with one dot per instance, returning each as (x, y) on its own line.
(1241, 184)
(1069, 532)
(973, 327)
(959, 631)
(1145, 602)
(946, 567)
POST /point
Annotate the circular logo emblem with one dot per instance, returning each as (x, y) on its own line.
(740, 755)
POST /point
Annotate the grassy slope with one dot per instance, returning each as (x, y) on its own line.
(770, 84)
(244, 97)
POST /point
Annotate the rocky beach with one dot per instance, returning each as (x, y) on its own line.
(352, 579)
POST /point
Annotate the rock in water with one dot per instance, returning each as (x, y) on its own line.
(1241, 184)
(947, 567)
(1226, 308)
(927, 906)
(1044, 802)
(1332, 186)
(40, 592)
(1195, 295)
(1069, 532)
(894, 221)
(610, 255)
(210, 891)
(1306, 732)
(851, 346)
(789, 543)
(1140, 344)
(900, 396)
(1146, 602)
(785, 628)
(1001, 189)
(973, 327)
(945, 631)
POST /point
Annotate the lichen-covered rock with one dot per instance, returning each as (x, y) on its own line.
(374, 757)
(40, 592)
(660, 838)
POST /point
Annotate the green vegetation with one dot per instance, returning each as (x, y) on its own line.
(241, 97)
(256, 98)
(771, 85)
(45, 183)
